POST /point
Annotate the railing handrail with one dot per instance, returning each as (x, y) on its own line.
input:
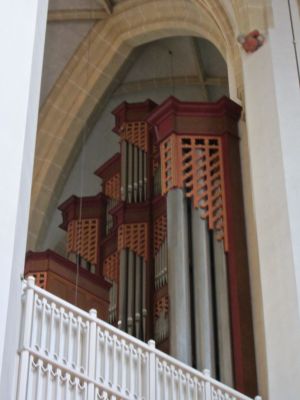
(148, 348)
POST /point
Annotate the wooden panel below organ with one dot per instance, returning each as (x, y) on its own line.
(58, 275)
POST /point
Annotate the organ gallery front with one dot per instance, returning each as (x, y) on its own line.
(164, 239)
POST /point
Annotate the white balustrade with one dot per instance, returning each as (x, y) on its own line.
(68, 354)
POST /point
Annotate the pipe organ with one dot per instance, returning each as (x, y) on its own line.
(167, 233)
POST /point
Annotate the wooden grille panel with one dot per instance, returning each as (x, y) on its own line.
(136, 133)
(135, 238)
(111, 267)
(112, 187)
(40, 279)
(83, 238)
(160, 232)
(196, 164)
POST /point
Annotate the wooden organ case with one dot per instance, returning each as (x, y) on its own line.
(126, 235)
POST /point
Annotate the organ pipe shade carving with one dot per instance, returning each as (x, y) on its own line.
(112, 187)
(83, 238)
(136, 133)
(160, 232)
(111, 267)
(134, 237)
(195, 163)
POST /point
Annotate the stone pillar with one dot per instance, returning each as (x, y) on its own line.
(178, 277)
(23, 26)
(272, 104)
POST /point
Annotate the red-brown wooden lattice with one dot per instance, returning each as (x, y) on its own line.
(134, 237)
(161, 306)
(196, 164)
(112, 187)
(40, 279)
(135, 133)
(111, 267)
(160, 232)
(83, 238)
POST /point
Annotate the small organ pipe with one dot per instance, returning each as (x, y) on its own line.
(141, 157)
(123, 170)
(122, 290)
(130, 284)
(138, 296)
(135, 168)
(144, 300)
(145, 170)
(130, 172)
(223, 318)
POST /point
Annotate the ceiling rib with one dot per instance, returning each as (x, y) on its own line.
(76, 15)
(107, 5)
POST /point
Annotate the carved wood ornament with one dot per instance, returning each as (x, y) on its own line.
(195, 163)
(83, 238)
(134, 237)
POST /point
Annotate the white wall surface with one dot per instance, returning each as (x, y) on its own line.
(22, 33)
(273, 121)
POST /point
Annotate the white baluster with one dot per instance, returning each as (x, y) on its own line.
(43, 330)
(68, 387)
(123, 369)
(69, 339)
(78, 361)
(26, 339)
(207, 385)
(92, 353)
(59, 395)
(152, 371)
(114, 362)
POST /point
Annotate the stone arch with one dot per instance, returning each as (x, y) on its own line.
(88, 77)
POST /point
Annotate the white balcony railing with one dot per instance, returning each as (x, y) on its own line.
(68, 354)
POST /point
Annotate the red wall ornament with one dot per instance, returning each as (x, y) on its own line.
(252, 41)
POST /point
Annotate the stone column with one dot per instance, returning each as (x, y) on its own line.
(178, 277)
(23, 25)
(272, 104)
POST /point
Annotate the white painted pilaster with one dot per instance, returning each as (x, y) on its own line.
(22, 33)
(272, 98)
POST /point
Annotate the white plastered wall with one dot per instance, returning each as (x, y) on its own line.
(22, 34)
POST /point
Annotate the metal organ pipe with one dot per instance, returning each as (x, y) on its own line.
(203, 318)
(223, 318)
(130, 173)
(123, 170)
(135, 168)
(140, 174)
(178, 277)
(123, 290)
(130, 294)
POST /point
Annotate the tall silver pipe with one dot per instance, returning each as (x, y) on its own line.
(145, 170)
(223, 318)
(178, 277)
(203, 318)
(135, 167)
(123, 290)
(130, 172)
(130, 297)
(144, 298)
(123, 170)
(141, 177)
(138, 296)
